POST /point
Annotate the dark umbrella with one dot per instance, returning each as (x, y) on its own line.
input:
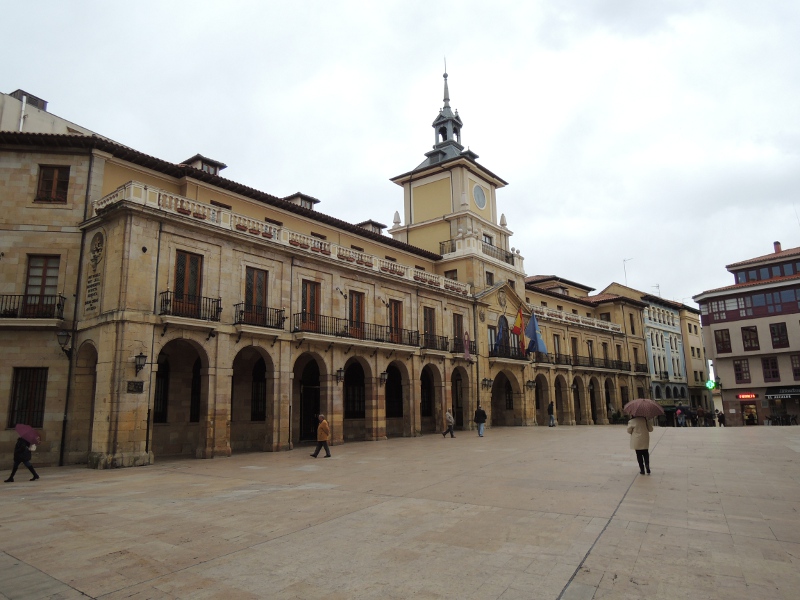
(643, 407)
(27, 433)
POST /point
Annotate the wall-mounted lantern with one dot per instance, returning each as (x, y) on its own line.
(140, 360)
(63, 339)
(383, 377)
(340, 375)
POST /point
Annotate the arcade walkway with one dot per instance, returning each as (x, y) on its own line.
(521, 513)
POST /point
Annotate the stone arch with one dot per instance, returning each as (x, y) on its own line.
(461, 397)
(541, 398)
(310, 397)
(657, 391)
(359, 406)
(80, 413)
(252, 407)
(507, 400)
(562, 401)
(610, 396)
(430, 399)
(182, 425)
(396, 393)
(578, 397)
(667, 392)
(596, 407)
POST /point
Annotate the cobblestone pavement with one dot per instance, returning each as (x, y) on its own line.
(522, 513)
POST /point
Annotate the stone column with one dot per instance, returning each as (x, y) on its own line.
(221, 413)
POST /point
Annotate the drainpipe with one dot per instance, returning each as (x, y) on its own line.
(22, 112)
(477, 354)
(151, 390)
(75, 309)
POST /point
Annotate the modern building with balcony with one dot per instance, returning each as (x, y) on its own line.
(751, 333)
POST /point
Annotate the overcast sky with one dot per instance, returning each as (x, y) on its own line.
(663, 132)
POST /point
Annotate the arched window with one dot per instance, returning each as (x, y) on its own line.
(669, 392)
(658, 393)
(394, 393)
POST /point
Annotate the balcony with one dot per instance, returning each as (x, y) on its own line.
(32, 307)
(581, 361)
(458, 346)
(334, 326)
(435, 342)
(174, 304)
(256, 231)
(498, 253)
(259, 316)
(507, 351)
(640, 368)
(559, 316)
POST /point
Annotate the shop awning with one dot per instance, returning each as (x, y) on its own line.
(782, 393)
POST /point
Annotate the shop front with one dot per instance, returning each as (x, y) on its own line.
(783, 404)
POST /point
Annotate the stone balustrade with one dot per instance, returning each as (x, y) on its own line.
(560, 316)
(139, 193)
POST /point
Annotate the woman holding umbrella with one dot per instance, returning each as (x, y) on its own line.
(22, 451)
(639, 427)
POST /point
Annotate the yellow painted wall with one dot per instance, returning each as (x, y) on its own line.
(428, 237)
(431, 200)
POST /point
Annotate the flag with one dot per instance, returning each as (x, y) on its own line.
(536, 343)
(498, 343)
(467, 356)
(517, 329)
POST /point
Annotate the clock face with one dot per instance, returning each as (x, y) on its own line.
(479, 196)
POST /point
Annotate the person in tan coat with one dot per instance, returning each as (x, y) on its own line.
(639, 428)
(323, 433)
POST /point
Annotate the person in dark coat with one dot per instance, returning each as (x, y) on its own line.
(22, 454)
(552, 417)
(480, 419)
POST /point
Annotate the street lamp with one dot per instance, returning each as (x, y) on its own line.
(140, 360)
(63, 339)
(530, 384)
(340, 375)
(383, 377)
(486, 383)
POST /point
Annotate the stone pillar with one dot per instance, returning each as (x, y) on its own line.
(331, 403)
(375, 411)
(221, 413)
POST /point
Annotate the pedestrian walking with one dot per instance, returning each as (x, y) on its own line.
(721, 418)
(22, 454)
(639, 429)
(323, 433)
(480, 419)
(701, 416)
(552, 416)
(448, 417)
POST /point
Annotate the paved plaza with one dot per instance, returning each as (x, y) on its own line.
(521, 513)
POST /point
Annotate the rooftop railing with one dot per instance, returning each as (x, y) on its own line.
(251, 228)
(559, 316)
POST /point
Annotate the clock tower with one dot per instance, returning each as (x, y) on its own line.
(450, 207)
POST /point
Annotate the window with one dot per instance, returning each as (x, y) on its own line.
(636, 356)
(543, 303)
(692, 347)
(355, 314)
(489, 278)
(556, 344)
(491, 332)
(769, 364)
(356, 248)
(487, 239)
(605, 317)
(796, 366)
(722, 338)
(53, 184)
(590, 347)
(255, 295)
(429, 326)
(780, 337)
(633, 324)
(309, 308)
(41, 287)
(396, 321)
(512, 284)
(28, 392)
(561, 308)
(750, 338)
(451, 274)
(574, 311)
(574, 347)
(188, 283)
(458, 332)
(619, 353)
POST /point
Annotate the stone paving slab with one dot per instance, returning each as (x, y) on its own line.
(555, 513)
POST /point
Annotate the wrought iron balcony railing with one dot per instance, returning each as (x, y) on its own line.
(26, 306)
(640, 368)
(435, 342)
(326, 325)
(458, 346)
(498, 253)
(176, 304)
(507, 351)
(260, 316)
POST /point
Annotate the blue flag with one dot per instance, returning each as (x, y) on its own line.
(498, 343)
(536, 343)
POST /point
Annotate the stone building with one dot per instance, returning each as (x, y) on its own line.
(751, 334)
(596, 350)
(151, 308)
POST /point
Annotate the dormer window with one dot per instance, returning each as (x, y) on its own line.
(205, 164)
(209, 168)
(306, 203)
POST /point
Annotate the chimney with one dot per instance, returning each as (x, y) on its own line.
(777, 246)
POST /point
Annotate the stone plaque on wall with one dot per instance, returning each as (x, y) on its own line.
(135, 387)
(94, 280)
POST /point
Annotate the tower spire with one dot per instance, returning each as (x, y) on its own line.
(446, 90)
